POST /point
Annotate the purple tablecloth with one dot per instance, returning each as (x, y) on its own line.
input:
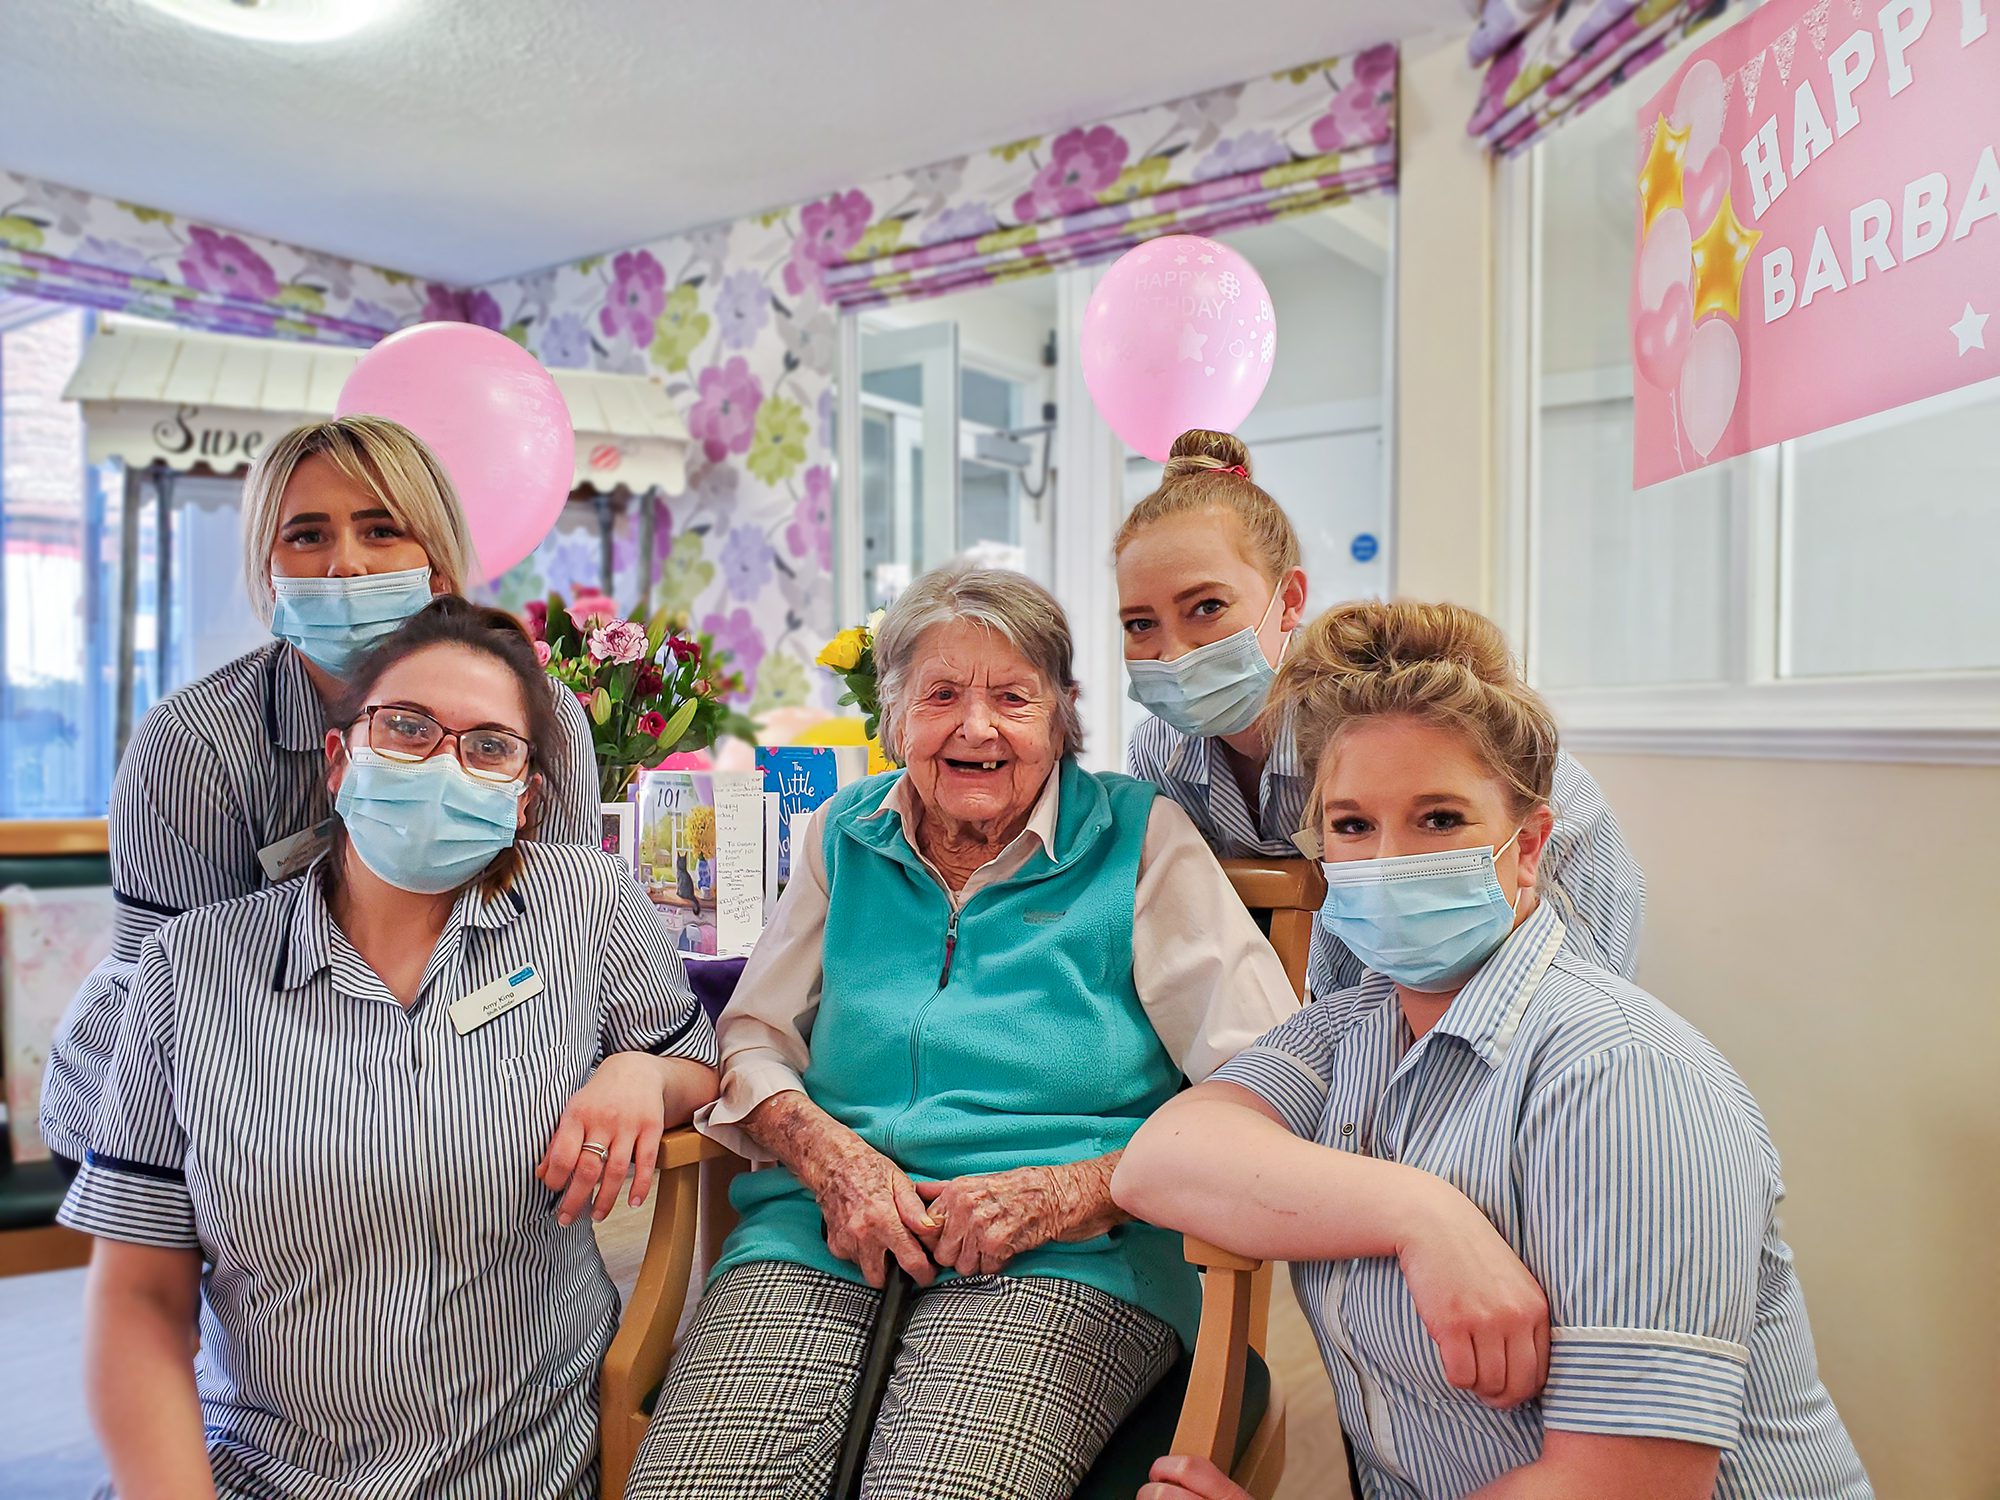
(713, 980)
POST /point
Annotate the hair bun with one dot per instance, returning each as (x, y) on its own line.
(1198, 449)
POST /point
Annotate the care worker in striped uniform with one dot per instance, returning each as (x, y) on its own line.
(384, 1102)
(349, 527)
(1210, 589)
(1614, 1150)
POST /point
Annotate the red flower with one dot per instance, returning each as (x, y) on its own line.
(535, 614)
(647, 680)
(652, 723)
(683, 648)
(585, 699)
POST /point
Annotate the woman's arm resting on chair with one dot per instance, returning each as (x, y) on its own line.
(1585, 1466)
(1219, 1163)
(139, 1318)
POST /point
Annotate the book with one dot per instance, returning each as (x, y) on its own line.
(701, 857)
(803, 777)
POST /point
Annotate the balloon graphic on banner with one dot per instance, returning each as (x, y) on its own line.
(1665, 321)
(1179, 333)
(491, 414)
(1704, 189)
(1710, 381)
(1700, 108)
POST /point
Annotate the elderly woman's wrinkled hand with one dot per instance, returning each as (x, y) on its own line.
(984, 1222)
(872, 1211)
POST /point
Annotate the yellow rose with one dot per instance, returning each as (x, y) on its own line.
(843, 652)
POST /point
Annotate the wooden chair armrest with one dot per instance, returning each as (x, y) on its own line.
(637, 1359)
(1213, 1410)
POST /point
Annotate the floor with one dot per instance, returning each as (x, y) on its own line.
(47, 1452)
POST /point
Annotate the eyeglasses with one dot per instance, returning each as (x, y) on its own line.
(411, 735)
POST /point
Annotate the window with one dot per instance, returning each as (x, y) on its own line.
(61, 518)
(1829, 597)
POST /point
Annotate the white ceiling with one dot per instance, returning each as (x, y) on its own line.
(466, 140)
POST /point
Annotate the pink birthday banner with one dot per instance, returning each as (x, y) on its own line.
(1819, 226)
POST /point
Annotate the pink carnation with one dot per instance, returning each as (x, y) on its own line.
(541, 653)
(535, 615)
(619, 642)
(590, 608)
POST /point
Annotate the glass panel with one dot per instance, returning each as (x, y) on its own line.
(1892, 525)
(989, 400)
(909, 454)
(1632, 588)
(52, 734)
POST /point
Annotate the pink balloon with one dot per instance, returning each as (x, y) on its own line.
(1666, 260)
(1704, 188)
(1660, 338)
(1179, 334)
(1699, 107)
(1710, 381)
(491, 414)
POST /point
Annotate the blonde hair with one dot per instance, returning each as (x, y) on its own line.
(1197, 477)
(1437, 663)
(392, 462)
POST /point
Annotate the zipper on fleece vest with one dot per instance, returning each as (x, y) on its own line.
(917, 1020)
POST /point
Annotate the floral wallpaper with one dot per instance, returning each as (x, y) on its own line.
(740, 321)
(70, 246)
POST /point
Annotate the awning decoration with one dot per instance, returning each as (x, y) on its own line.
(1294, 141)
(1548, 60)
(63, 245)
(159, 395)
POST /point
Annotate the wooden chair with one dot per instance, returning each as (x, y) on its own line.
(1219, 1403)
(43, 856)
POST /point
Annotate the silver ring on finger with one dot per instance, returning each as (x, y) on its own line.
(600, 1151)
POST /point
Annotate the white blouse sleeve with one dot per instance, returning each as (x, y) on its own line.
(765, 1032)
(1209, 980)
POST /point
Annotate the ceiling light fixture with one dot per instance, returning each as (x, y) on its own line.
(278, 20)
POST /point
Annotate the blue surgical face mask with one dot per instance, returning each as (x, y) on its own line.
(425, 826)
(1425, 920)
(334, 622)
(1215, 689)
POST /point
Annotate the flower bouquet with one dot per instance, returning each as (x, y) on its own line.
(649, 690)
(850, 656)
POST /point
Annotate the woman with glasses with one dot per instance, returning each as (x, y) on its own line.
(384, 1104)
(349, 528)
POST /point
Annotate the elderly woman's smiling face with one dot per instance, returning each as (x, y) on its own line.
(978, 731)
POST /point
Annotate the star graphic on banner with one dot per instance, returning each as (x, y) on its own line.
(1970, 331)
(1191, 341)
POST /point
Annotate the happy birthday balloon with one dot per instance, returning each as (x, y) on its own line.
(1179, 333)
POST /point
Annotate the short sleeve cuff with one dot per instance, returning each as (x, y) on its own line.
(691, 1036)
(1644, 1382)
(1291, 1088)
(752, 1078)
(141, 1204)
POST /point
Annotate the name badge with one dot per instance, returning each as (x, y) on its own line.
(496, 999)
(291, 856)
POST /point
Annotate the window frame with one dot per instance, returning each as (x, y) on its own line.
(1940, 718)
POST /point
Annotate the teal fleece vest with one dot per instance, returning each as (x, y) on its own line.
(1011, 1038)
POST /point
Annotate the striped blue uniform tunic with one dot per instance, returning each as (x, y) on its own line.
(1631, 1171)
(1588, 874)
(217, 771)
(390, 1308)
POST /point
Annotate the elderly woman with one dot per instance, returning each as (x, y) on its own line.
(987, 970)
